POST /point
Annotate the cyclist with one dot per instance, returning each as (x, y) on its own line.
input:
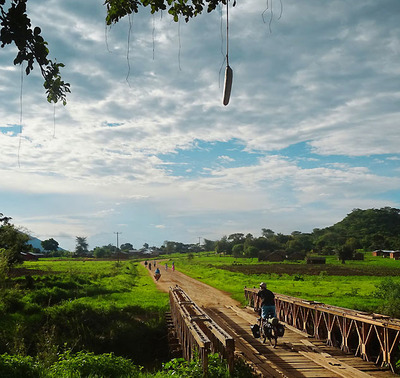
(266, 302)
(157, 274)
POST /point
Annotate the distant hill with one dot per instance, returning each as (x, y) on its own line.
(37, 243)
(362, 223)
(371, 229)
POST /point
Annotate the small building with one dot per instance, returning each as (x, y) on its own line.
(387, 253)
(395, 255)
(30, 256)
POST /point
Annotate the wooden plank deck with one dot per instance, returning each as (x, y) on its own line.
(296, 355)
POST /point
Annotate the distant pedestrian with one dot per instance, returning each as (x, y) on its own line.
(149, 266)
(166, 266)
(157, 274)
(173, 266)
(145, 263)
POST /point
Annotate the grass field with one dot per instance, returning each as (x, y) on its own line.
(351, 285)
(52, 306)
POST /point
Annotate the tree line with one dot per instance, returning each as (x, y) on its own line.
(366, 230)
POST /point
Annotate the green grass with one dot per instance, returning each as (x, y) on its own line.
(344, 291)
(120, 285)
(99, 306)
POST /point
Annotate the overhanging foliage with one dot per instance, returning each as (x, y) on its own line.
(16, 28)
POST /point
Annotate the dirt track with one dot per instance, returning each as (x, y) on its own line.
(204, 295)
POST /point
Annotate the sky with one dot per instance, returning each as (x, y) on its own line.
(146, 149)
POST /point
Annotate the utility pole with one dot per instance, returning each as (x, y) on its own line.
(117, 233)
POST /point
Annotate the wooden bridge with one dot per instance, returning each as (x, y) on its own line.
(197, 332)
(373, 337)
(308, 349)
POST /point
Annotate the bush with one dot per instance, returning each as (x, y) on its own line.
(389, 291)
(11, 300)
(15, 366)
(217, 368)
(87, 364)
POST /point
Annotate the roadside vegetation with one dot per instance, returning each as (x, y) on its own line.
(66, 306)
(85, 364)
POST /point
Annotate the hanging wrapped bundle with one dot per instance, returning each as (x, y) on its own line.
(227, 85)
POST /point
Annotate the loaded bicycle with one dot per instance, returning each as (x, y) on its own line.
(268, 328)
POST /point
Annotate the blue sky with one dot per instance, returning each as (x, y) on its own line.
(146, 148)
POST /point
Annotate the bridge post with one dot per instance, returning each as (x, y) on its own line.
(345, 335)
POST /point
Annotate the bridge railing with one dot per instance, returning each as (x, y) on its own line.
(373, 337)
(196, 331)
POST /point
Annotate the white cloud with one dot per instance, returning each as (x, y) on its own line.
(226, 158)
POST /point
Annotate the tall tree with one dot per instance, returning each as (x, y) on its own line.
(209, 245)
(49, 245)
(126, 247)
(12, 243)
(236, 238)
(223, 246)
(267, 233)
(81, 248)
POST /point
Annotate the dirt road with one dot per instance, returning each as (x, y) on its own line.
(202, 294)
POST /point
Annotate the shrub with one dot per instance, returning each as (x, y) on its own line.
(11, 300)
(217, 368)
(389, 291)
(87, 364)
(15, 366)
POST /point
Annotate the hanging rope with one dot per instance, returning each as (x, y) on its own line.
(228, 69)
(227, 33)
(20, 113)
